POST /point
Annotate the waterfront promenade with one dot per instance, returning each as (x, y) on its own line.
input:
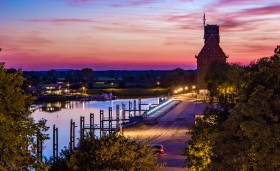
(170, 131)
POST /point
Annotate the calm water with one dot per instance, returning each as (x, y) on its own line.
(61, 114)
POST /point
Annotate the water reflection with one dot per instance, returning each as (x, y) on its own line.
(60, 114)
(55, 107)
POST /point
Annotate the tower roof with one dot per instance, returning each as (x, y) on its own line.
(212, 48)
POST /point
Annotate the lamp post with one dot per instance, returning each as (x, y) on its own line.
(112, 84)
(186, 89)
(157, 91)
(193, 89)
(83, 88)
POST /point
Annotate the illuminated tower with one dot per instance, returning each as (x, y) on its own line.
(210, 53)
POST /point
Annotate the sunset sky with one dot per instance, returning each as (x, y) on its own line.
(132, 34)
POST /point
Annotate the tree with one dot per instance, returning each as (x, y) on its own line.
(112, 152)
(178, 77)
(247, 136)
(86, 75)
(223, 81)
(17, 129)
(199, 150)
(51, 76)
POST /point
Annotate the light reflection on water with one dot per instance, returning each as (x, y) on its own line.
(73, 110)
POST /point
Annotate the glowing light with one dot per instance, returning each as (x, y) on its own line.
(159, 106)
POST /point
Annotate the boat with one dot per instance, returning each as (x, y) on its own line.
(103, 97)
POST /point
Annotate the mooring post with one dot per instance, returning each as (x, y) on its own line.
(134, 107)
(39, 147)
(139, 106)
(91, 125)
(71, 130)
(82, 126)
(72, 134)
(110, 120)
(129, 107)
(101, 122)
(118, 116)
(55, 144)
(123, 113)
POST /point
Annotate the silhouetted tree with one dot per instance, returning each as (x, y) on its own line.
(112, 152)
(178, 77)
(247, 136)
(17, 127)
(86, 75)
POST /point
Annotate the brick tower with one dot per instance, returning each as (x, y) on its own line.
(210, 53)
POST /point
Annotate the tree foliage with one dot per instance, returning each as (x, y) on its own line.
(246, 135)
(17, 128)
(86, 75)
(223, 81)
(178, 77)
(112, 152)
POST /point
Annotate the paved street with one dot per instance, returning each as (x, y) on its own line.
(170, 132)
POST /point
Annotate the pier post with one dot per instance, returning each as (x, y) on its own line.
(129, 108)
(139, 106)
(123, 113)
(55, 144)
(110, 121)
(118, 116)
(101, 122)
(39, 147)
(82, 126)
(134, 107)
(91, 125)
(72, 134)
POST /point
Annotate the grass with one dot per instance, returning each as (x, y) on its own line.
(137, 92)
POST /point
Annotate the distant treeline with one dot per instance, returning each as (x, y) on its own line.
(119, 78)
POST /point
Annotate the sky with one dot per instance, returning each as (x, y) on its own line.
(132, 34)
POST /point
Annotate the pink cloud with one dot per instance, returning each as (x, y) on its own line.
(61, 20)
(35, 39)
(272, 9)
(79, 1)
(183, 18)
(130, 3)
(226, 2)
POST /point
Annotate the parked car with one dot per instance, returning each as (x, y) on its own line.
(158, 148)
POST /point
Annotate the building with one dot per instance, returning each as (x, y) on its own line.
(210, 53)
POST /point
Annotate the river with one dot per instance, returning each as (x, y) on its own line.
(60, 114)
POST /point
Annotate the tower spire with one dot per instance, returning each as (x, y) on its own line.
(204, 19)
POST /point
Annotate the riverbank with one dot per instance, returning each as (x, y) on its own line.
(132, 93)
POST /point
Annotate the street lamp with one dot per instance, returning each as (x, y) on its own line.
(158, 83)
(186, 89)
(193, 89)
(112, 84)
(83, 89)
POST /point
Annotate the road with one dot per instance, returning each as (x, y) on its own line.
(170, 132)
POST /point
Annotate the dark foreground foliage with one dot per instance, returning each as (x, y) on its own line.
(243, 133)
(112, 152)
(18, 131)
